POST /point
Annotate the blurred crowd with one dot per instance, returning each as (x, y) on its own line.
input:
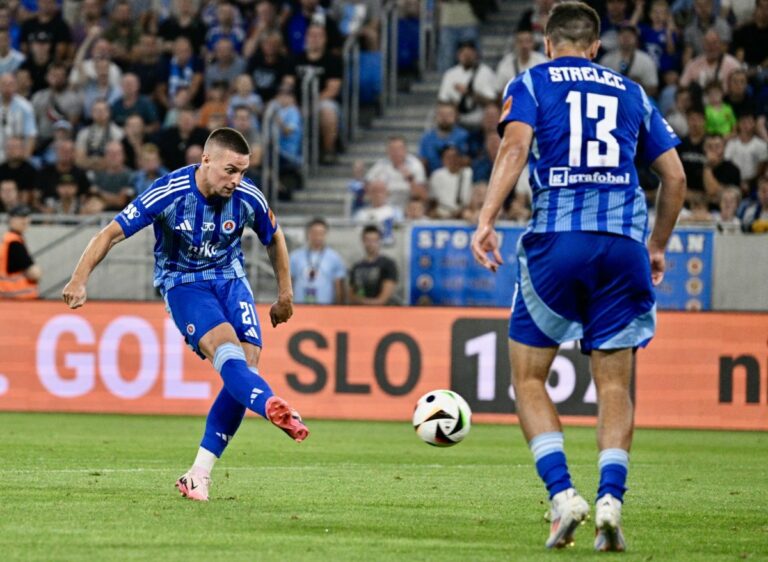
(703, 63)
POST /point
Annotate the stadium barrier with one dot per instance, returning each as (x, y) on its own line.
(702, 370)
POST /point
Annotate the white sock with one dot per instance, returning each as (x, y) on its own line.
(204, 460)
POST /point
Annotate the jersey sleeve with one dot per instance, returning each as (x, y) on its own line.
(656, 135)
(145, 208)
(519, 102)
(260, 217)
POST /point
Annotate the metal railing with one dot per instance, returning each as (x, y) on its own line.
(270, 162)
(389, 54)
(350, 89)
(427, 36)
(310, 113)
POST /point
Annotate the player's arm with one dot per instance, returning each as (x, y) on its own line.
(669, 201)
(277, 250)
(74, 292)
(510, 160)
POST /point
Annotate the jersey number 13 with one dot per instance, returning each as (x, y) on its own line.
(596, 158)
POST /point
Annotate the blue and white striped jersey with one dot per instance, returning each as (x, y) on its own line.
(589, 123)
(197, 239)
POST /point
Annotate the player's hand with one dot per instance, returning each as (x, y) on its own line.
(281, 311)
(658, 264)
(74, 294)
(485, 240)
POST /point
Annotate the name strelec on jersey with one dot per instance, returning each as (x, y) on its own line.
(576, 73)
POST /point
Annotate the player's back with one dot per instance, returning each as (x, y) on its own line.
(588, 122)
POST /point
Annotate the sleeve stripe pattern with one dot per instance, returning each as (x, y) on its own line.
(254, 191)
(528, 82)
(153, 196)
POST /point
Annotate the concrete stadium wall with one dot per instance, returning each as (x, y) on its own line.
(740, 263)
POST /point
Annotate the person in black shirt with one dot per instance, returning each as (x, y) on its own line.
(750, 39)
(270, 67)
(173, 142)
(691, 149)
(49, 20)
(184, 23)
(374, 278)
(18, 169)
(738, 96)
(718, 173)
(317, 55)
(39, 60)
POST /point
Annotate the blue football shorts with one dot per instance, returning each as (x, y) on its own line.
(198, 307)
(589, 286)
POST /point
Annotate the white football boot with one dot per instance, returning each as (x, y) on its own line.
(608, 535)
(568, 510)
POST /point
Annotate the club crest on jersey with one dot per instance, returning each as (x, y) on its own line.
(191, 329)
(228, 226)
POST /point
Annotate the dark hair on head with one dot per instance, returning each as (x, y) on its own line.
(574, 22)
(317, 220)
(229, 139)
(371, 228)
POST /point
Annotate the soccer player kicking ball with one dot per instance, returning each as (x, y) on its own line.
(584, 269)
(199, 213)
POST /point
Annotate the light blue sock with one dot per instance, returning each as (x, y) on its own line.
(242, 382)
(551, 464)
(614, 465)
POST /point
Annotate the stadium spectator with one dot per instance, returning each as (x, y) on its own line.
(718, 115)
(704, 21)
(184, 70)
(358, 17)
(8, 21)
(659, 38)
(93, 204)
(123, 33)
(698, 210)
(115, 182)
(91, 142)
(90, 15)
(183, 22)
(48, 19)
(446, 131)
(713, 63)
(64, 165)
(148, 65)
(66, 201)
(739, 98)
(535, 20)
(303, 16)
(99, 89)
(150, 168)
(84, 69)
(215, 107)
(265, 22)
(290, 128)
(451, 185)
(18, 168)
(173, 142)
(39, 58)
(416, 209)
(750, 40)
(17, 118)
(55, 103)
(457, 23)
(373, 279)
(726, 219)
(9, 195)
(691, 149)
(19, 275)
(677, 118)
(754, 214)
(470, 85)
(380, 210)
(244, 95)
(270, 67)
(403, 173)
(226, 27)
(471, 211)
(10, 58)
(133, 139)
(180, 100)
(616, 15)
(521, 58)
(243, 121)
(630, 61)
(318, 273)
(318, 55)
(356, 188)
(482, 166)
(718, 172)
(193, 154)
(226, 64)
(748, 152)
(132, 102)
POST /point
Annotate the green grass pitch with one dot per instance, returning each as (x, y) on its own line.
(91, 487)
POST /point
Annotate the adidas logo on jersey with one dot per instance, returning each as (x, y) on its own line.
(252, 332)
(255, 394)
(185, 226)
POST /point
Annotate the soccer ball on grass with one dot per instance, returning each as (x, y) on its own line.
(442, 418)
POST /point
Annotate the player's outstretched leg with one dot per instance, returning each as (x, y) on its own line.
(223, 420)
(246, 385)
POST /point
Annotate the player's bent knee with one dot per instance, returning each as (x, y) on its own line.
(216, 336)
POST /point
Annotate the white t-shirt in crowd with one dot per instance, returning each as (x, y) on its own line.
(747, 156)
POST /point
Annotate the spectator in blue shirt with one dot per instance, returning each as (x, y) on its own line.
(445, 132)
(318, 272)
